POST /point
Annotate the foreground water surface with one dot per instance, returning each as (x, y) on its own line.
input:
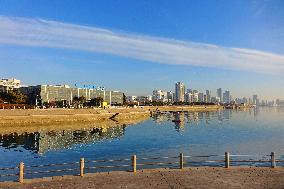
(256, 131)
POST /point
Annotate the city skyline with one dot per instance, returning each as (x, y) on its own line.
(179, 86)
(181, 93)
(220, 95)
(148, 45)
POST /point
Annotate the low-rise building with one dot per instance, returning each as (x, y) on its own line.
(140, 100)
(53, 93)
(131, 98)
(9, 84)
(159, 95)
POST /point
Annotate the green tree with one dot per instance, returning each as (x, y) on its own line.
(13, 97)
(124, 99)
(96, 101)
(82, 99)
(79, 101)
(75, 98)
(100, 100)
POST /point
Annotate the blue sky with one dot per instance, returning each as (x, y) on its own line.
(138, 46)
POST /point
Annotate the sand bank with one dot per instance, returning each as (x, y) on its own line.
(27, 117)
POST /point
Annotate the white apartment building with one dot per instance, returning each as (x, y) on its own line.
(9, 84)
(159, 95)
(179, 92)
(131, 98)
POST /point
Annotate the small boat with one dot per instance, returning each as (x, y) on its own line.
(178, 121)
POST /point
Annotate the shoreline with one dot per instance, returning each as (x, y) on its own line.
(67, 126)
(193, 177)
(58, 116)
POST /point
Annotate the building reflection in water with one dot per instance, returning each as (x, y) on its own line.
(40, 142)
(29, 141)
(180, 119)
(220, 116)
(255, 112)
(192, 117)
(162, 117)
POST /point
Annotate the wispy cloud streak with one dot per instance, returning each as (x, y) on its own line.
(51, 34)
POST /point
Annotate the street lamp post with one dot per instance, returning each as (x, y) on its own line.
(109, 98)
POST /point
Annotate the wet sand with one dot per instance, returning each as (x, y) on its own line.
(66, 111)
(201, 177)
(69, 126)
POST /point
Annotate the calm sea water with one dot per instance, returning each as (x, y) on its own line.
(256, 131)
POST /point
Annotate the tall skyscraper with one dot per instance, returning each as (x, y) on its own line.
(179, 92)
(170, 96)
(226, 97)
(250, 101)
(219, 94)
(194, 95)
(188, 95)
(208, 96)
(245, 100)
(255, 100)
(200, 97)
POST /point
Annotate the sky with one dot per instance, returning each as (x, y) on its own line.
(139, 46)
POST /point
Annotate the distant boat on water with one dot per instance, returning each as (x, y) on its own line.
(178, 121)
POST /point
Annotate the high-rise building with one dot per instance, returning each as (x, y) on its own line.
(208, 96)
(200, 97)
(250, 101)
(179, 91)
(188, 97)
(194, 96)
(255, 100)
(170, 96)
(214, 99)
(189, 91)
(245, 100)
(159, 95)
(238, 100)
(150, 98)
(226, 97)
(277, 102)
(219, 94)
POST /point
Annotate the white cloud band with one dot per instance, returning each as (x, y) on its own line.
(51, 34)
